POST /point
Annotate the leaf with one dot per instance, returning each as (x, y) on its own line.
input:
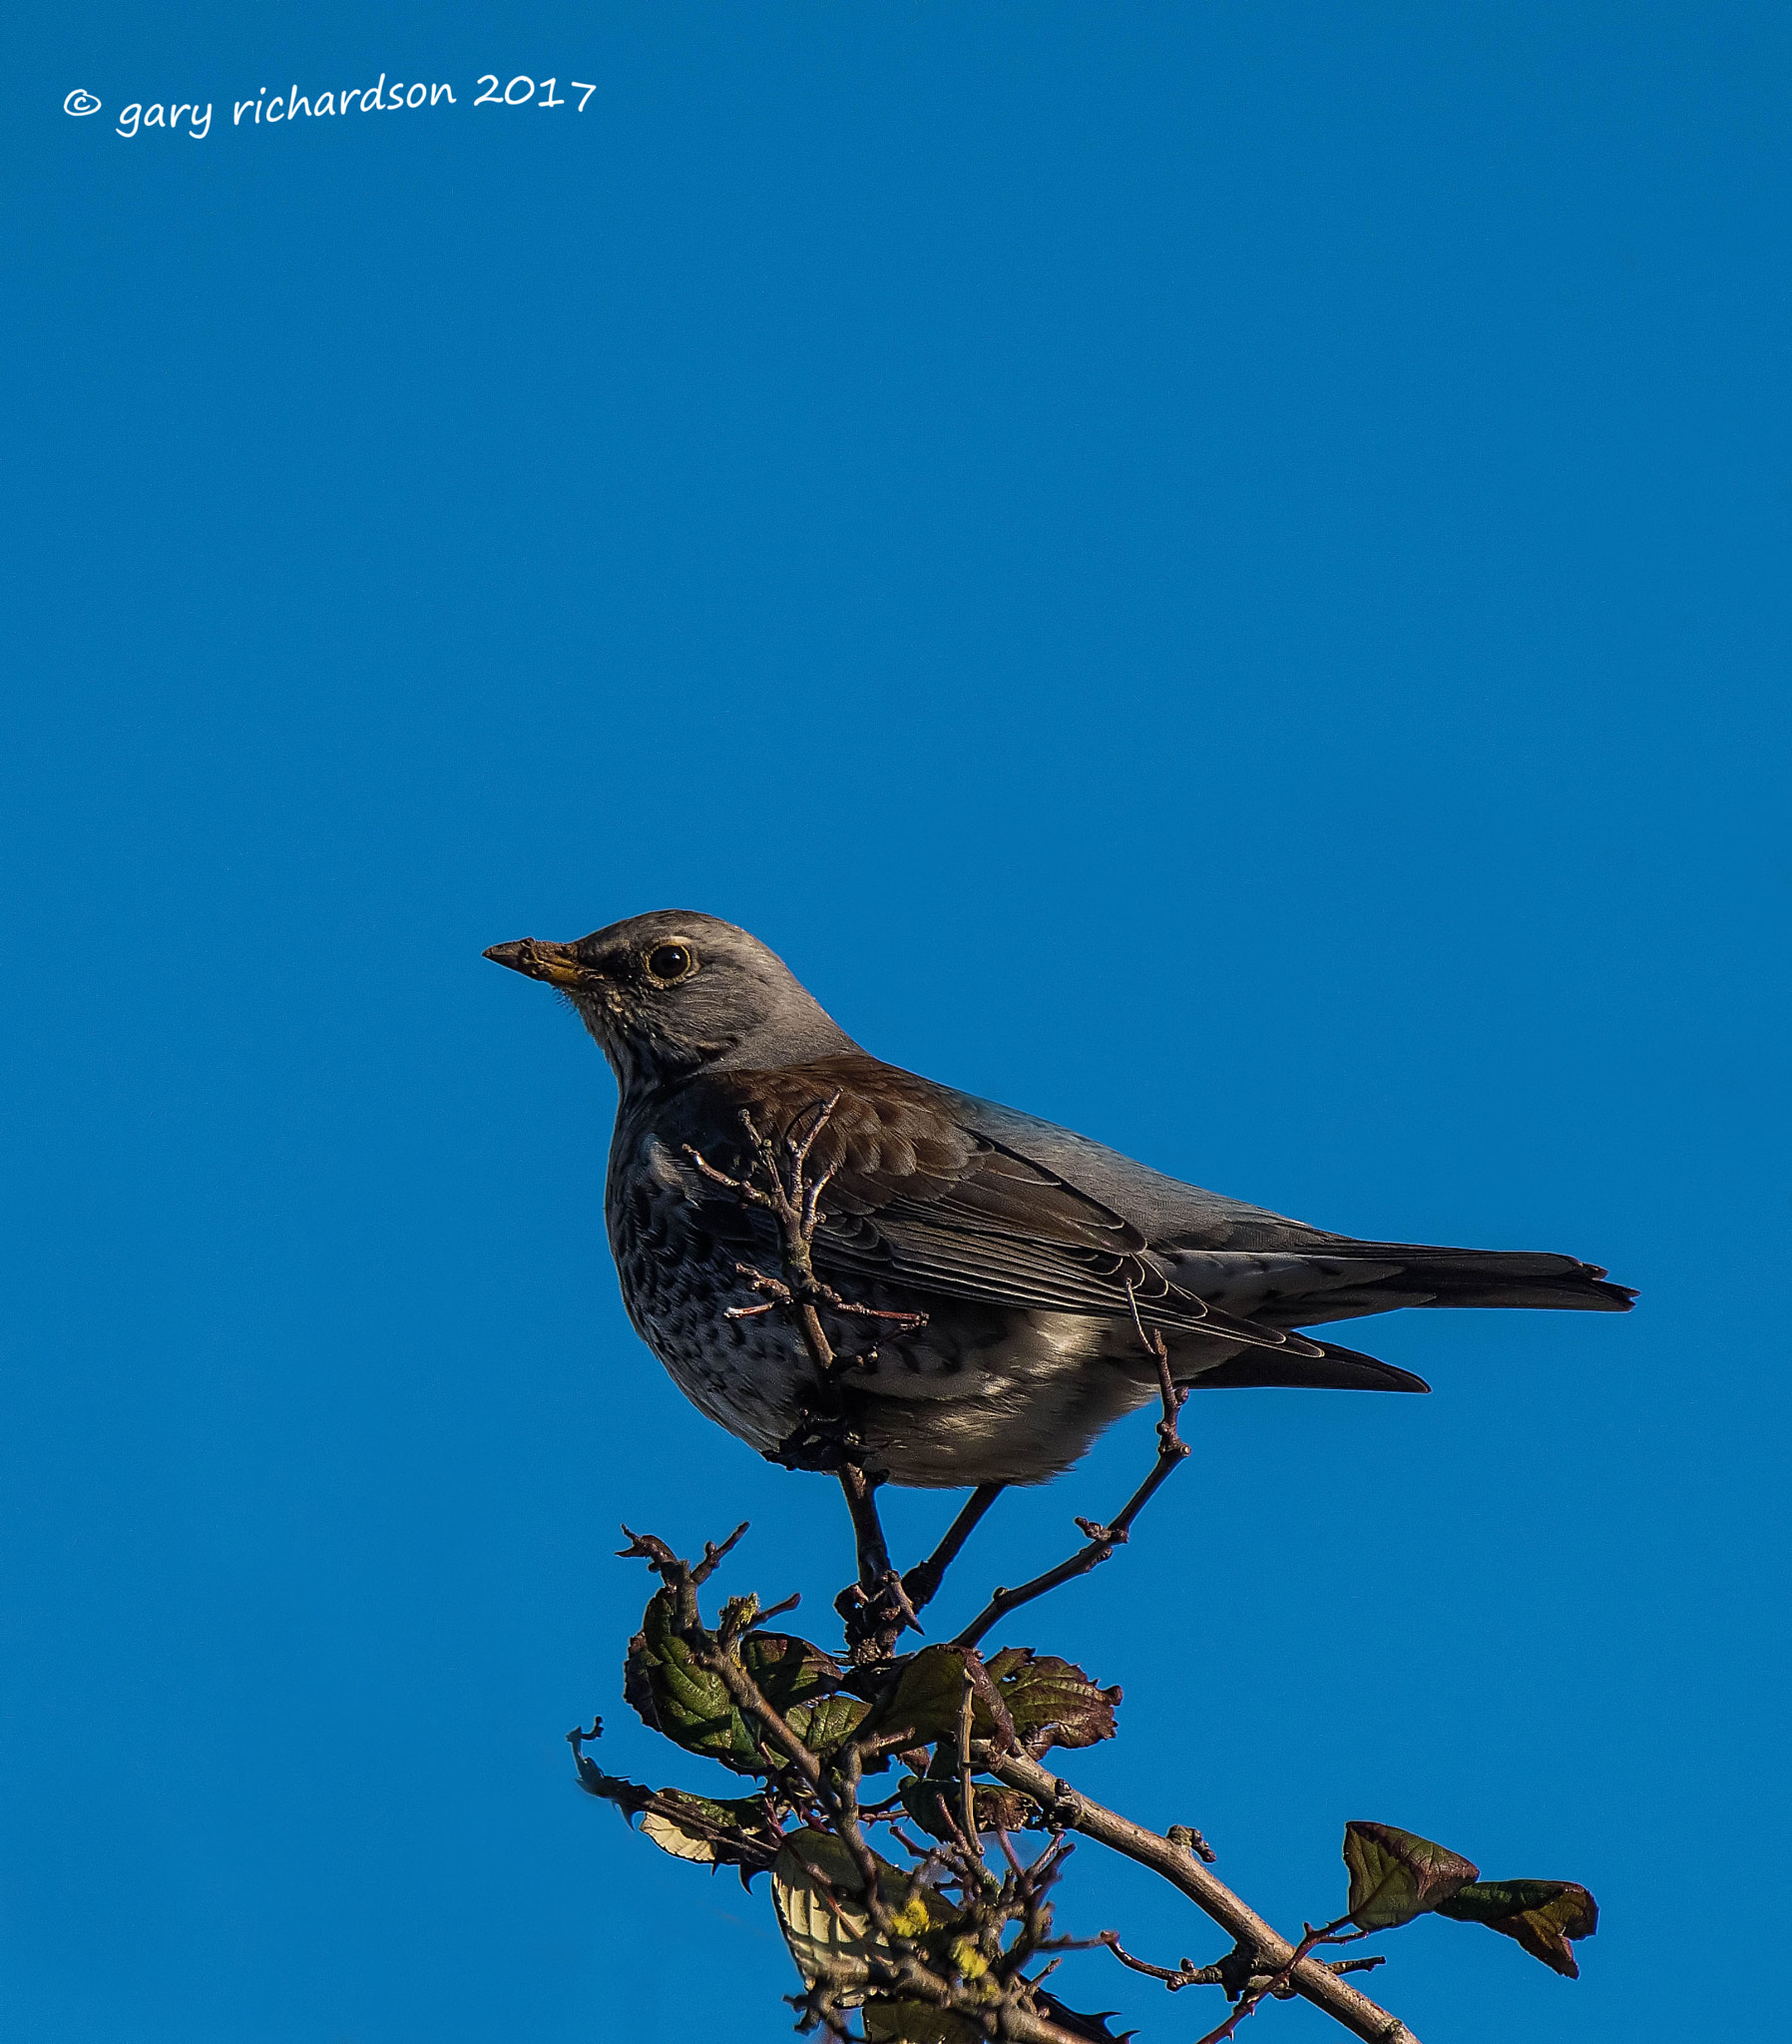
(1396, 1876)
(1093, 2027)
(1038, 1690)
(1042, 1690)
(826, 1726)
(1542, 1914)
(917, 2023)
(819, 1897)
(825, 1931)
(673, 1839)
(689, 1830)
(672, 1696)
(691, 1706)
(928, 1696)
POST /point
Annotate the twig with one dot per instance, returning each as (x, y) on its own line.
(1101, 1539)
(1308, 1978)
(1277, 1984)
(1185, 1975)
(966, 1793)
(880, 1611)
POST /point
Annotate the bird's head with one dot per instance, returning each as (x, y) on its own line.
(670, 993)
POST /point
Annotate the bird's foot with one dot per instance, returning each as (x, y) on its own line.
(825, 1442)
(875, 1618)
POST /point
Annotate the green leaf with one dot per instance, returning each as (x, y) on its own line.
(826, 1726)
(928, 1696)
(1542, 1914)
(691, 1706)
(802, 1684)
(1396, 1876)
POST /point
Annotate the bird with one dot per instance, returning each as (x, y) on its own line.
(1021, 1280)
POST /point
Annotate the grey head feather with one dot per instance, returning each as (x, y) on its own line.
(738, 1006)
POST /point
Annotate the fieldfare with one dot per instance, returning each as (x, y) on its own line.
(1018, 1275)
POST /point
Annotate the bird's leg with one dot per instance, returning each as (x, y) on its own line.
(921, 1582)
(860, 1492)
(876, 1608)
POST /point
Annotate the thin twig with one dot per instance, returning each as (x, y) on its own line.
(1185, 1975)
(881, 1610)
(755, 1850)
(1278, 1982)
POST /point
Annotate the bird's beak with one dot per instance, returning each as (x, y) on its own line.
(538, 959)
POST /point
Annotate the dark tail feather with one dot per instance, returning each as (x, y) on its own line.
(1337, 1370)
(1397, 1273)
(1501, 1277)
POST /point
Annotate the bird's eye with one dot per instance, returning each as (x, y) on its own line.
(669, 961)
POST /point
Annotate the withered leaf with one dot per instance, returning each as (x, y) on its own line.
(917, 2023)
(1542, 1914)
(1396, 1876)
(819, 1896)
(1042, 1690)
(1093, 2027)
(935, 1806)
(1038, 1690)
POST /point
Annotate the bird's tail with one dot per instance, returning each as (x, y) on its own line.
(1494, 1277)
(1347, 1280)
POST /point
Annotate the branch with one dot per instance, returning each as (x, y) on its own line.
(1308, 1978)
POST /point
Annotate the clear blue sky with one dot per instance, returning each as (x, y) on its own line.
(1219, 573)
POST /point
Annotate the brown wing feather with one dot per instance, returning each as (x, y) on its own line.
(915, 1196)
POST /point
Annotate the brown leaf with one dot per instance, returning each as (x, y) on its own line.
(1542, 1914)
(934, 1803)
(1042, 1690)
(1037, 1690)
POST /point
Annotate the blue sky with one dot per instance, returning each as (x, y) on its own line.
(1219, 573)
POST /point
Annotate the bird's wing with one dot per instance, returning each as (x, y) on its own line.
(1278, 1271)
(915, 1196)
